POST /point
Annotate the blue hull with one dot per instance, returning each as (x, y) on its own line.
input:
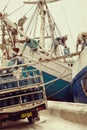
(78, 92)
(59, 90)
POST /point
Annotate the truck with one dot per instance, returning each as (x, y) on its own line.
(22, 93)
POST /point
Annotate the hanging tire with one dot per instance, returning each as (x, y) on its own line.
(31, 120)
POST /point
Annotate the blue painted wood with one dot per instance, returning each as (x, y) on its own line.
(78, 93)
(63, 88)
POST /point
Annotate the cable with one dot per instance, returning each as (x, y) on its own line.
(66, 21)
(59, 91)
(6, 6)
(31, 19)
(52, 81)
(15, 10)
(29, 10)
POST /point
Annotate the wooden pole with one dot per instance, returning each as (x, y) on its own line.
(61, 57)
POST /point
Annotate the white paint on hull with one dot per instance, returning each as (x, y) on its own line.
(80, 63)
(55, 68)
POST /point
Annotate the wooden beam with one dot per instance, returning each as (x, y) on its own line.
(48, 59)
(36, 1)
(42, 61)
(45, 37)
(61, 57)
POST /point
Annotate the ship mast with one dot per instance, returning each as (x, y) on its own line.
(3, 40)
(9, 31)
(43, 11)
(42, 29)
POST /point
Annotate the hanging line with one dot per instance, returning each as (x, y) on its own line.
(1, 3)
(29, 10)
(32, 16)
(31, 19)
(66, 20)
(6, 6)
(51, 17)
(59, 90)
(16, 10)
(55, 25)
(54, 80)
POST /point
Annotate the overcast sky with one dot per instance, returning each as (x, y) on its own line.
(70, 16)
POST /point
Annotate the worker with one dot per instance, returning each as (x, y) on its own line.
(58, 41)
(68, 60)
(77, 44)
(15, 59)
(33, 45)
(82, 41)
(84, 44)
(66, 50)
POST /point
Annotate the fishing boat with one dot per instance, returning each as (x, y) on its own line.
(57, 73)
(79, 82)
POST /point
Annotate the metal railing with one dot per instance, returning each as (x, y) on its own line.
(20, 85)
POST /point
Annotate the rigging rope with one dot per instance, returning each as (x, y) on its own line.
(16, 10)
(52, 18)
(29, 10)
(1, 2)
(50, 21)
(66, 20)
(59, 90)
(56, 25)
(31, 19)
(6, 6)
(32, 16)
(52, 81)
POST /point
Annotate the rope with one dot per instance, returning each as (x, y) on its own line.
(52, 81)
(32, 16)
(67, 21)
(35, 25)
(31, 19)
(29, 10)
(59, 91)
(52, 18)
(15, 10)
(1, 2)
(56, 25)
(6, 6)
(49, 20)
